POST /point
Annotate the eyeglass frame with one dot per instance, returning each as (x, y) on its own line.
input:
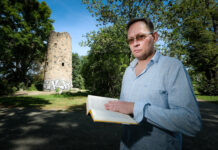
(139, 37)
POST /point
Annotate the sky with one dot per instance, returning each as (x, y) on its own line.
(72, 16)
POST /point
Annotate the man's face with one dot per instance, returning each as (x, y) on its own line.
(141, 41)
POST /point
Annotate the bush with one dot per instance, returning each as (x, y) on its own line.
(14, 89)
(32, 88)
(21, 86)
(205, 87)
(39, 86)
(6, 88)
(78, 82)
(57, 90)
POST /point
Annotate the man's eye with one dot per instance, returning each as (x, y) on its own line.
(131, 40)
(141, 37)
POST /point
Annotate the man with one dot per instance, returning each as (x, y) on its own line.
(157, 91)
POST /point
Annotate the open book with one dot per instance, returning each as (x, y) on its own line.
(95, 106)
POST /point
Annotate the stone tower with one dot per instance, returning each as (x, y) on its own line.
(58, 65)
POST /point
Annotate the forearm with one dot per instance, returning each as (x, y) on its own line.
(178, 119)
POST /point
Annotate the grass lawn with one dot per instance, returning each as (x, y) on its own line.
(208, 98)
(66, 101)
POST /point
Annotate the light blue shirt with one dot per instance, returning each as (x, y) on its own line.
(164, 105)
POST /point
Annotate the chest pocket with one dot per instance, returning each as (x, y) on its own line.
(153, 95)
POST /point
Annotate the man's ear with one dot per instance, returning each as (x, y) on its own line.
(155, 35)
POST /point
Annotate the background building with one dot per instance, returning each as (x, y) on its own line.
(58, 64)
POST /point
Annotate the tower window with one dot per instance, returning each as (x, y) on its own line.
(62, 64)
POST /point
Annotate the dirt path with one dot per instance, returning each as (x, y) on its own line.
(20, 93)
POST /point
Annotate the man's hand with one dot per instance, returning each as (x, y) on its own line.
(120, 106)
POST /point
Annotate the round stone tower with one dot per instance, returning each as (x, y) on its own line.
(58, 65)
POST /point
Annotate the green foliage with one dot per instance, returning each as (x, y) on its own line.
(188, 28)
(38, 79)
(107, 60)
(6, 88)
(193, 39)
(21, 86)
(113, 11)
(208, 98)
(57, 90)
(206, 87)
(39, 85)
(110, 55)
(14, 89)
(24, 30)
(69, 101)
(78, 81)
(118, 12)
(32, 88)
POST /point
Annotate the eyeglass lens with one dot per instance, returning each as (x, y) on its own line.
(138, 38)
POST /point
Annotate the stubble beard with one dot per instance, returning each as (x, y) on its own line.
(147, 55)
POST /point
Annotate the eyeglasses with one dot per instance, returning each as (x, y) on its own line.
(139, 38)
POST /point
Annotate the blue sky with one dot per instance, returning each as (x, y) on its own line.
(72, 16)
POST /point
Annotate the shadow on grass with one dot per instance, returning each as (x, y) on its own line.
(214, 102)
(39, 102)
(30, 102)
(36, 129)
(71, 94)
(81, 107)
(207, 138)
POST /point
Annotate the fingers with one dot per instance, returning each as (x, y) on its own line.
(112, 106)
(107, 106)
(120, 106)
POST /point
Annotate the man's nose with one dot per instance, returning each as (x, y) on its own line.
(135, 42)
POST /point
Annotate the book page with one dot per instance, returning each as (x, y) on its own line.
(95, 105)
(109, 116)
(97, 102)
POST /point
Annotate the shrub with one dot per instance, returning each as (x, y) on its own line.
(14, 89)
(57, 90)
(205, 87)
(32, 88)
(6, 88)
(39, 85)
(21, 86)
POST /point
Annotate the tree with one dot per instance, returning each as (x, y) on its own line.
(194, 26)
(111, 11)
(78, 81)
(107, 60)
(188, 29)
(24, 30)
(110, 54)
(119, 12)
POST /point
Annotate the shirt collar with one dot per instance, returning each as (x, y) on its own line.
(155, 59)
